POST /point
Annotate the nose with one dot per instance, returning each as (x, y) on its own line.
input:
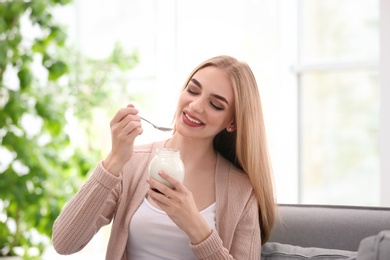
(197, 105)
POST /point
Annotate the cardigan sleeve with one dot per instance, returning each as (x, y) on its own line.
(246, 243)
(92, 207)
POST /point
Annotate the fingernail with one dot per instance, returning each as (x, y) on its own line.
(160, 172)
(148, 179)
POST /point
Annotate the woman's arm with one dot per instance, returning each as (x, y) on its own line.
(92, 207)
(96, 202)
(246, 243)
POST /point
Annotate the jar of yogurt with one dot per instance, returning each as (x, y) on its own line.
(170, 162)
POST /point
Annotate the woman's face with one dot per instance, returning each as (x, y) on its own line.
(206, 106)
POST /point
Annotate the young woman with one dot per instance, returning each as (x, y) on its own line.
(225, 206)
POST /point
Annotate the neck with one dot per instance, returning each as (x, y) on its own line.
(192, 150)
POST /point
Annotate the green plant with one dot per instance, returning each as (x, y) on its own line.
(40, 168)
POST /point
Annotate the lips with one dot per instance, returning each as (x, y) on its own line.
(191, 120)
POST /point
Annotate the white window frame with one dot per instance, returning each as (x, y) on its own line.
(384, 75)
(384, 72)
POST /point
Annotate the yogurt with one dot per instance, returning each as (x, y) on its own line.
(170, 162)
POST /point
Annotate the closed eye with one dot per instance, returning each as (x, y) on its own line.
(189, 90)
(193, 91)
(216, 107)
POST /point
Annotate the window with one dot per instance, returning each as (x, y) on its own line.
(339, 106)
(322, 116)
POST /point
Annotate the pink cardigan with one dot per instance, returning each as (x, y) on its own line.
(105, 197)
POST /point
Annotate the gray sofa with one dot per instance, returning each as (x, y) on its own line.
(329, 232)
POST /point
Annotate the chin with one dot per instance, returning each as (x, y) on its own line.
(185, 132)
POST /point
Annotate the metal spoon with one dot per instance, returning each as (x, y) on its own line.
(165, 129)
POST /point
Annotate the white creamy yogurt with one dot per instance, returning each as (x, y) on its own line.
(170, 162)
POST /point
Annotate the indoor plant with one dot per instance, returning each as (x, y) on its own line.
(32, 128)
(40, 167)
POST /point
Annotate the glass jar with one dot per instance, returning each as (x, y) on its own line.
(170, 162)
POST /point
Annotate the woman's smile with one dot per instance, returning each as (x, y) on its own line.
(191, 120)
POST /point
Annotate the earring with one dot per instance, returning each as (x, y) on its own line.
(230, 129)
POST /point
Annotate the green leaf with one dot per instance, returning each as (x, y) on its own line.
(56, 70)
(57, 34)
(25, 78)
(3, 24)
(13, 107)
(39, 46)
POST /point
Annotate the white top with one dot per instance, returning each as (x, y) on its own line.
(153, 235)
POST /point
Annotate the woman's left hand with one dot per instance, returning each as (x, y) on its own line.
(180, 206)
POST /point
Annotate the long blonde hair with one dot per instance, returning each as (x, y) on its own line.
(246, 147)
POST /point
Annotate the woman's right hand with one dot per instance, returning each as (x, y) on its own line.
(125, 127)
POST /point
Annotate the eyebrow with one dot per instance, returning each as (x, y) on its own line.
(214, 95)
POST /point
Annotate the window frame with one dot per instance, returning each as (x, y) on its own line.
(384, 65)
(300, 68)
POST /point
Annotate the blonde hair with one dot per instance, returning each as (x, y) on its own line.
(246, 147)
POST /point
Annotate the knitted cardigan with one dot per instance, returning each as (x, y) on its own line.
(105, 198)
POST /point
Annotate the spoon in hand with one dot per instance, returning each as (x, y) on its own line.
(164, 129)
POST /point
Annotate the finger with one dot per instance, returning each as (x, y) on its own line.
(154, 192)
(129, 121)
(135, 132)
(159, 187)
(160, 199)
(132, 130)
(127, 112)
(174, 181)
(128, 118)
(125, 128)
(122, 113)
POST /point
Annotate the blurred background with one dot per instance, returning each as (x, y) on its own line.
(66, 67)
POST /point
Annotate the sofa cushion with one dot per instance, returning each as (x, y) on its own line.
(278, 251)
(324, 226)
(375, 247)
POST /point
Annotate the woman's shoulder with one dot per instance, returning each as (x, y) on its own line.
(233, 187)
(146, 148)
(228, 171)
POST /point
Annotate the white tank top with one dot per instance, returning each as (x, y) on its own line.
(153, 235)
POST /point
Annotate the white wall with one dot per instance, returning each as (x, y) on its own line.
(385, 101)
